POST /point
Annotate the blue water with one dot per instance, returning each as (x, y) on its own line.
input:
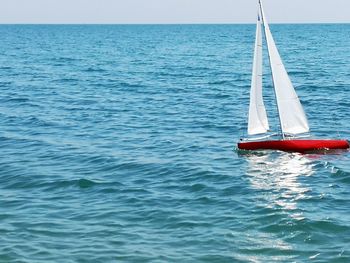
(118, 145)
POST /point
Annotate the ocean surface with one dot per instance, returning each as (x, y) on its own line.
(118, 144)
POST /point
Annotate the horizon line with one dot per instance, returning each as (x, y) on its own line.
(193, 23)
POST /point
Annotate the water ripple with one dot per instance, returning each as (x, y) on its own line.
(117, 146)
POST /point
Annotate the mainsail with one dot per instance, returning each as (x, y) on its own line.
(257, 120)
(292, 116)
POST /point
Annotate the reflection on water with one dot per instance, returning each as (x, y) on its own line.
(276, 178)
(278, 173)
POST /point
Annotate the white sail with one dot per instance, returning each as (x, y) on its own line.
(257, 119)
(292, 116)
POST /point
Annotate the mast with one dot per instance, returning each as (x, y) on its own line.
(273, 82)
(291, 113)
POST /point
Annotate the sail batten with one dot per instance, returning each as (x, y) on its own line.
(291, 113)
(257, 119)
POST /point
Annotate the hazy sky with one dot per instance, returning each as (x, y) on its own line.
(171, 11)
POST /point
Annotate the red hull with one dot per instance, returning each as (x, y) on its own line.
(295, 145)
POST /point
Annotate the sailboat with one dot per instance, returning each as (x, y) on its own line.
(294, 133)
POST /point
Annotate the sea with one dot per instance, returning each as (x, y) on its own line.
(118, 144)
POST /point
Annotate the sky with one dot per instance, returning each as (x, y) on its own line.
(170, 11)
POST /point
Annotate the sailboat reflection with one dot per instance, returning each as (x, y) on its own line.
(278, 174)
